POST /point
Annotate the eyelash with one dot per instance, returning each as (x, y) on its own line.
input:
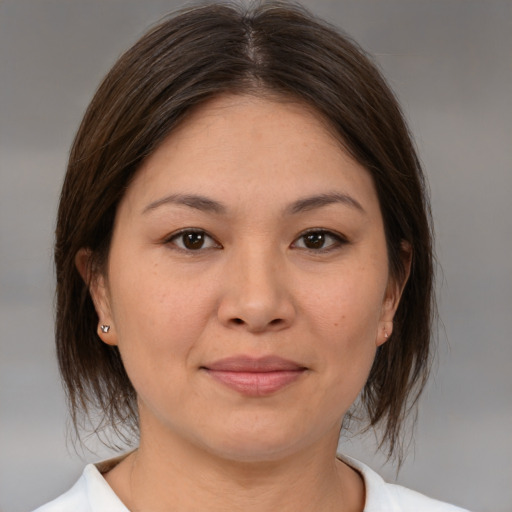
(171, 239)
(337, 240)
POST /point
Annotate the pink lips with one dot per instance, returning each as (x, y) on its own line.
(255, 376)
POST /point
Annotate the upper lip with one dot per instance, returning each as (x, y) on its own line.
(254, 364)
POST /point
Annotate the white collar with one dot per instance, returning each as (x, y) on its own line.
(378, 497)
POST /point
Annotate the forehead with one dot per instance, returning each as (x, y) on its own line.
(267, 146)
(244, 117)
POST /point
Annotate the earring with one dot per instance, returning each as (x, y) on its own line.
(105, 328)
(386, 335)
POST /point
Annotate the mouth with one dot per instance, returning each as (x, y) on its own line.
(255, 377)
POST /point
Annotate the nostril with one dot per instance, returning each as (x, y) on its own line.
(276, 321)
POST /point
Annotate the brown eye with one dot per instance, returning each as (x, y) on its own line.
(314, 240)
(319, 240)
(191, 240)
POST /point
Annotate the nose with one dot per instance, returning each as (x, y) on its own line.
(256, 297)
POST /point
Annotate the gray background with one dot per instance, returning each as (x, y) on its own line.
(450, 63)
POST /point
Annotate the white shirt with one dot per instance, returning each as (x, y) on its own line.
(91, 493)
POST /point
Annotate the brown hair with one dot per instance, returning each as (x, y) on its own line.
(194, 55)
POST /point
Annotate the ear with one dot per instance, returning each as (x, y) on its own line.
(393, 295)
(97, 283)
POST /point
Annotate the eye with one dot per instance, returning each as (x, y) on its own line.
(192, 240)
(319, 240)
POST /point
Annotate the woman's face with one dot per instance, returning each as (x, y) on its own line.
(247, 284)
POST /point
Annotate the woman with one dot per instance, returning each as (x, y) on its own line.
(243, 252)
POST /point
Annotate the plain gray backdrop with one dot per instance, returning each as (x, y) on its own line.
(450, 62)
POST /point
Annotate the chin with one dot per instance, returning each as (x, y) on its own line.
(257, 443)
(250, 451)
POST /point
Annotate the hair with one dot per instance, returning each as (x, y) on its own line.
(274, 49)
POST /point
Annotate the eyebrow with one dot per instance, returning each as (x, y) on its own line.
(193, 201)
(206, 204)
(321, 200)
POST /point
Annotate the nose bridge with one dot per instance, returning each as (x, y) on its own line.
(256, 294)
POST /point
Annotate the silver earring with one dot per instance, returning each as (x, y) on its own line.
(105, 328)
(386, 335)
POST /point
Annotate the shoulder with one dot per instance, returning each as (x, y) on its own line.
(91, 493)
(75, 499)
(412, 500)
(384, 497)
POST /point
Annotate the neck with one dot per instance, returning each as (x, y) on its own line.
(182, 477)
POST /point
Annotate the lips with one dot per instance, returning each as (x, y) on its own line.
(255, 376)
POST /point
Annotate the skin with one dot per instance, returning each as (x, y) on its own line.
(256, 287)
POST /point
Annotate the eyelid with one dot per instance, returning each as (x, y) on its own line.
(169, 239)
(340, 240)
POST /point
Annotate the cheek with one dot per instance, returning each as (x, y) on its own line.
(159, 329)
(349, 303)
(158, 318)
(345, 316)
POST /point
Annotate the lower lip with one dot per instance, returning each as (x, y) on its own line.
(256, 383)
